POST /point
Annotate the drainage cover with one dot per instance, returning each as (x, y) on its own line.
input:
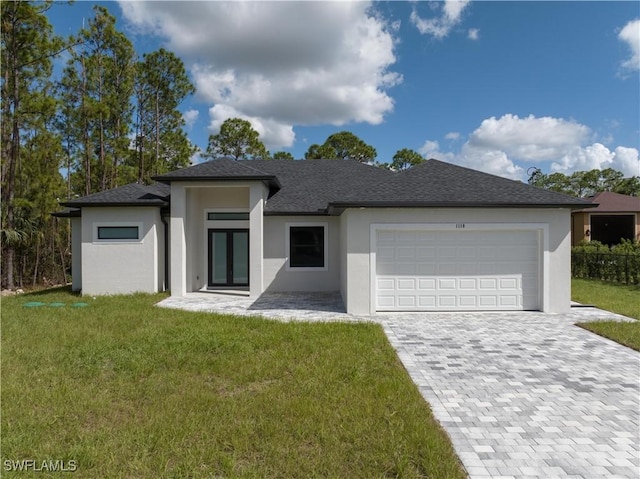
(33, 304)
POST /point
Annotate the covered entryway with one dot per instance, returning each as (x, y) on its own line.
(457, 269)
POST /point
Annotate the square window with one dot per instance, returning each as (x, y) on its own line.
(307, 246)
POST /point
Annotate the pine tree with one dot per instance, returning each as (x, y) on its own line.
(28, 46)
(96, 88)
(161, 85)
(238, 140)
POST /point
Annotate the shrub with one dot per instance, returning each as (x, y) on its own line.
(619, 263)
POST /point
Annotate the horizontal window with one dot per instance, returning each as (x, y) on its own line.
(118, 233)
(228, 216)
(306, 247)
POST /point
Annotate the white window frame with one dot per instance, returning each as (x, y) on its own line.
(287, 246)
(225, 223)
(118, 224)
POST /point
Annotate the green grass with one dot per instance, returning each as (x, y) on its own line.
(616, 298)
(130, 390)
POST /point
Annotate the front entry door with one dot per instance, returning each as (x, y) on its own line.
(228, 257)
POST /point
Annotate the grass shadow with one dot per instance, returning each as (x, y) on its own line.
(55, 290)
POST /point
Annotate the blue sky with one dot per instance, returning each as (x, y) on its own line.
(496, 86)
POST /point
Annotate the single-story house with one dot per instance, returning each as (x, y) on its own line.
(616, 217)
(436, 237)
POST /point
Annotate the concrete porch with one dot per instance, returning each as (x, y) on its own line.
(311, 307)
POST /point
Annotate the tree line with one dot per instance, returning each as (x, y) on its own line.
(586, 183)
(110, 117)
(238, 140)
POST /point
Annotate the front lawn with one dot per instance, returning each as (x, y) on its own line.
(129, 390)
(617, 298)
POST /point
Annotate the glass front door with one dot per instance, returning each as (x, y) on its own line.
(228, 257)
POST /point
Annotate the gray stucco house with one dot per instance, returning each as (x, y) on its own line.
(437, 237)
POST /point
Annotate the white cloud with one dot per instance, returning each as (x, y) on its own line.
(190, 117)
(496, 162)
(530, 138)
(627, 160)
(490, 161)
(439, 27)
(473, 34)
(595, 156)
(508, 145)
(599, 157)
(280, 63)
(452, 135)
(630, 34)
(431, 149)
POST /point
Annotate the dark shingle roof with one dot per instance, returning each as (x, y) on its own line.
(436, 183)
(133, 194)
(308, 186)
(328, 186)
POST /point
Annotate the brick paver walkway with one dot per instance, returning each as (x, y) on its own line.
(522, 395)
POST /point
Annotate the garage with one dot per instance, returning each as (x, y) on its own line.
(459, 268)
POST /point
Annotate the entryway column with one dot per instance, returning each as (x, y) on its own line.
(178, 240)
(257, 196)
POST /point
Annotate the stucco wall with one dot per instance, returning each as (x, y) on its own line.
(115, 267)
(344, 259)
(163, 260)
(555, 279)
(277, 277)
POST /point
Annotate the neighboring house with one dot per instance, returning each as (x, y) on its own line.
(436, 237)
(615, 218)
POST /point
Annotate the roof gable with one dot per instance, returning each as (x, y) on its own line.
(218, 169)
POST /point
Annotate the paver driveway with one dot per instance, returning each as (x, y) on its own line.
(527, 394)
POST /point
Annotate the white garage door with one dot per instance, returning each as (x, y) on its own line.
(456, 270)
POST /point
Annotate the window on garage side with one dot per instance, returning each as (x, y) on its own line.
(307, 246)
(118, 233)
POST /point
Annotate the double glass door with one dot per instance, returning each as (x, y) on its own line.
(228, 257)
